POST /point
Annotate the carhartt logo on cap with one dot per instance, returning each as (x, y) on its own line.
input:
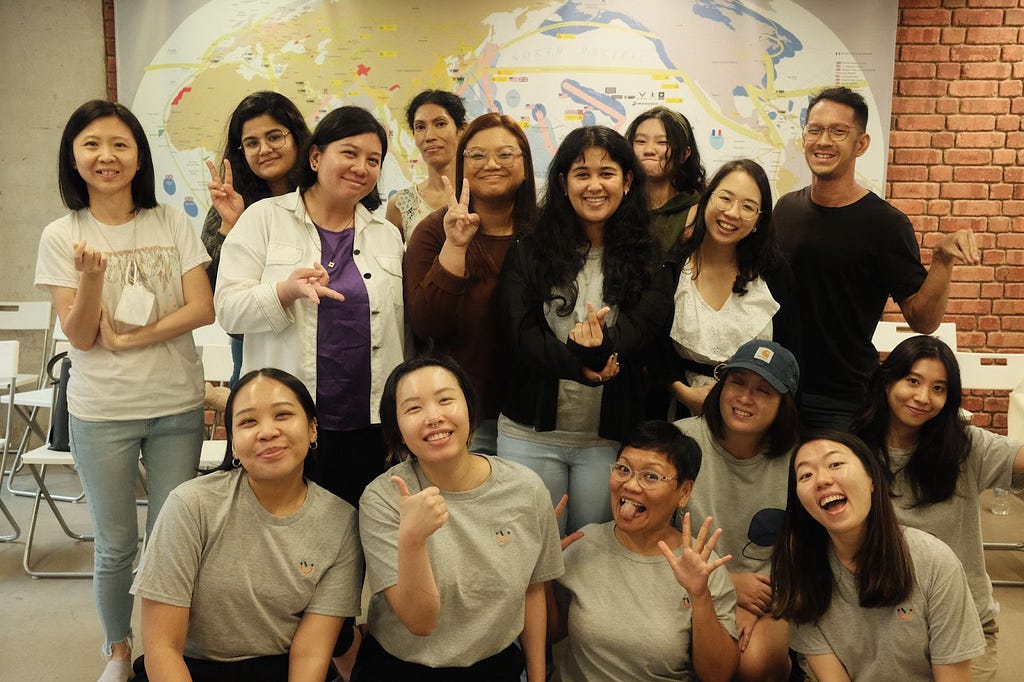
(765, 355)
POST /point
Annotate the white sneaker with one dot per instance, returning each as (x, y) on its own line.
(117, 671)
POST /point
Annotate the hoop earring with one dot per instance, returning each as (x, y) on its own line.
(313, 445)
(235, 463)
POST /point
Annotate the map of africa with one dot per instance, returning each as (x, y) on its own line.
(742, 73)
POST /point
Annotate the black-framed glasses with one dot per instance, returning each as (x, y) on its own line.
(275, 139)
(646, 479)
(724, 201)
(504, 157)
(838, 132)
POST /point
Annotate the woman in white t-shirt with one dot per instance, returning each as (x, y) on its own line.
(128, 279)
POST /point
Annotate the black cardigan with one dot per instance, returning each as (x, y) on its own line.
(538, 360)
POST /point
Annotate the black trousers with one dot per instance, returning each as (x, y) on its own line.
(257, 669)
(374, 664)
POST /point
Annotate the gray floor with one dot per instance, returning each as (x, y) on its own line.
(49, 629)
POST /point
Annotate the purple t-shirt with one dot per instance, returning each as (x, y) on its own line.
(342, 339)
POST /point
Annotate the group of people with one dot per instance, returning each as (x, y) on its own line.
(552, 345)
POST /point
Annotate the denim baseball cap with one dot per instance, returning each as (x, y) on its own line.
(769, 360)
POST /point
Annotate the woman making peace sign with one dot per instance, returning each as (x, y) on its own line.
(453, 258)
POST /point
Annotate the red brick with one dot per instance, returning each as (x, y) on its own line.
(1018, 191)
(1015, 140)
(998, 224)
(936, 207)
(953, 36)
(917, 4)
(975, 174)
(977, 17)
(1012, 208)
(1014, 17)
(1012, 53)
(1009, 122)
(1018, 70)
(974, 273)
(922, 88)
(926, 122)
(967, 157)
(1013, 174)
(1003, 191)
(1006, 340)
(973, 88)
(963, 290)
(926, 17)
(925, 105)
(1007, 157)
(907, 174)
(927, 35)
(974, 53)
(987, 35)
(976, 122)
(900, 139)
(918, 156)
(971, 340)
(993, 257)
(948, 71)
(964, 190)
(1008, 307)
(1012, 257)
(962, 223)
(985, 106)
(924, 53)
(979, 140)
(962, 306)
(1011, 88)
(909, 206)
(940, 173)
(972, 207)
(943, 140)
(1017, 105)
(997, 70)
(914, 70)
(947, 105)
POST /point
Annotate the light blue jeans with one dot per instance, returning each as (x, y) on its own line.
(485, 438)
(583, 473)
(107, 456)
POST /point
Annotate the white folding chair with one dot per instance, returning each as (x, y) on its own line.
(995, 372)
(888, 335)
(23, 316)
(9, 351)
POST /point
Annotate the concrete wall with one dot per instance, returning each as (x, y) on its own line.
(53, 57)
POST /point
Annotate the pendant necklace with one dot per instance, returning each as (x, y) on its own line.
(334, 256)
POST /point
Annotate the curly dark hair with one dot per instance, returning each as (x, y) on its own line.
(559, 241)
(448, 101)
(688, 174)
(756, 252)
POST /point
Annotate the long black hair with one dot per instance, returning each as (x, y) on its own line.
(943, 443)
(802, 578)
(73, 189)
(281, 109)
(306, 402)
(559, 242)
(687, 175)
(756, 252)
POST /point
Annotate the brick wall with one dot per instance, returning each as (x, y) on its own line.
(956, 161)
(108, 39)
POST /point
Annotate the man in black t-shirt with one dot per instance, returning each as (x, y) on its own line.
(849, 251)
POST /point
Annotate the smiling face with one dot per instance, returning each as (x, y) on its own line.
(731, 213)
(919, 396)
(267, 163)
(827, 158)
(834, 488)
(639, 510)
(348, 168)
(433, 416)
(490, 180)
(271, 432)
(435, 134)
(106, 156)
(651, 146)
(596, 186)
(749, 404)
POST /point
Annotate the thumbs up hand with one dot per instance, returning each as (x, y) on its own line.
(420, 515)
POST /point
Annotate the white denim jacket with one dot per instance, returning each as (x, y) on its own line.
(272, 238)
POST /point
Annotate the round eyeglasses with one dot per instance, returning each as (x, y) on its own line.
(837, 132)
(275, 139)
(646, 479)
(724, 201)
(504, 157)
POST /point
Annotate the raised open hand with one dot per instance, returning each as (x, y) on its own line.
(228, 203)
(693, 567)
(459, 224)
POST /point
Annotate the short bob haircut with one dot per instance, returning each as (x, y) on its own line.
(73, 190)
(347, 121)
(681, 451)
(755, 253)
(844, 95)
(292, 383)
(281, 109)
(802, 578)
(559, 240)
(943, 443)
(448, 101)
(687, 175)
(393, 440)
(525, 208)
(782, 434)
